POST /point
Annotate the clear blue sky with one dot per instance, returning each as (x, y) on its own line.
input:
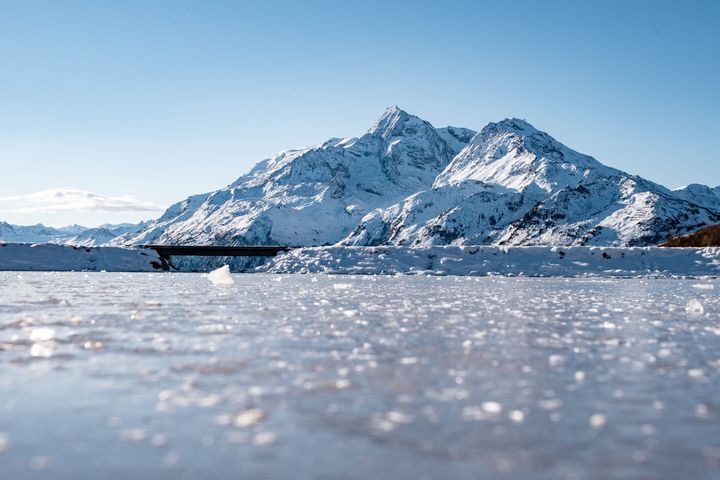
(162, 99)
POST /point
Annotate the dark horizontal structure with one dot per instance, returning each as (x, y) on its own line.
(166, 251)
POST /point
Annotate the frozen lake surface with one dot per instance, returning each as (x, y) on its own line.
(167, 376)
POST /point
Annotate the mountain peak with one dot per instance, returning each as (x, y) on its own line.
(513, 125)
(394, 121)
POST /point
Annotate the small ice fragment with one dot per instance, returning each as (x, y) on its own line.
(550, 403)
(556, 360)
(383, 425)
(492, 407)
(694, 307)
(342, 383)
(159, 440)
(4, 441)
(221, 276)
(399, 417)
(42, 349)
(42, 334)
(598, 420)
(517, 416)
(171, 458)
(704, 286)
(264, 438)
(701, 410)
(133, 434)
(342, 286)
(249, 417)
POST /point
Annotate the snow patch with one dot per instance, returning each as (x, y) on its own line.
(52, 257)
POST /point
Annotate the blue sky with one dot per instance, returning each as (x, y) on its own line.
(157, 100)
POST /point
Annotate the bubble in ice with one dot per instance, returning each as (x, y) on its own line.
(221, 276)
(694, 306)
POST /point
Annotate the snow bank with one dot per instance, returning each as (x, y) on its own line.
(48, 256)
(515, 261)
(436, 260)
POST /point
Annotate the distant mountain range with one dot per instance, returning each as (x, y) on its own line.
(70, 235)
(405, 182)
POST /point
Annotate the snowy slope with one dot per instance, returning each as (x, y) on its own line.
(92, 237)
(515, 185)
(406, 182)
(315, 195)
(700, 195)
(102, 235)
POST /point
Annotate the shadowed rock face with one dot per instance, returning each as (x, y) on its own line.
(405, 182)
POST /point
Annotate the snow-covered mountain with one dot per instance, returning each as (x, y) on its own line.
(70, 235)
(315, 195)
(405, 182)
(515, 185)
(700, 195)
(36, 233)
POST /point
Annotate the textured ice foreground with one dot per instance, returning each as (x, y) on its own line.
(512, 261)
(107, 375)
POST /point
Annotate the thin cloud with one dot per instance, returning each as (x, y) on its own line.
(69, 200)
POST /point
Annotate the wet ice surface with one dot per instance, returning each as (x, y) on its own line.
(111, 375)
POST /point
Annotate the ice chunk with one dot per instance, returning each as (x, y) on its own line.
(556, 360)
(221, 276)
(492, 407)
(42, 334)
(694, 306)
(598, 420)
